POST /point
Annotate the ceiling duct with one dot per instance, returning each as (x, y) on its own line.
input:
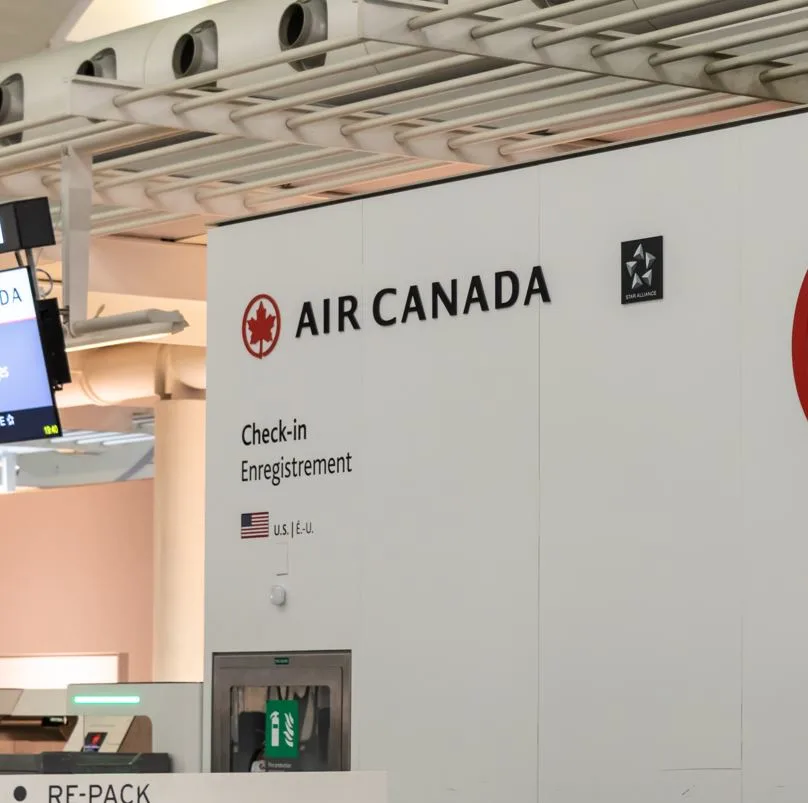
(12, 106)
(197, 51)
(117, 374)
(223, 36)
(238, 32)
(104, 64)
(304, 22)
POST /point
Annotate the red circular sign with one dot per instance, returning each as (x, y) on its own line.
(261, 326)
(799, 345)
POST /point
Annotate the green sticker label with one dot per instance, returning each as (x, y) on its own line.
(282, 729)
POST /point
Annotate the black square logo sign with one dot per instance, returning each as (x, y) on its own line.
(641, 270)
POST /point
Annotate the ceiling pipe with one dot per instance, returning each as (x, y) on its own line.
(118, 374)
(660, 13)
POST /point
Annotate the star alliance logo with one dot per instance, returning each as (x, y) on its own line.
(641, 270)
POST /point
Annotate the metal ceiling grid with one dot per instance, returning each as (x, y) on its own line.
(491, 91)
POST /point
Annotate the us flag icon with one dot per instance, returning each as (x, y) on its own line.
(255, 525)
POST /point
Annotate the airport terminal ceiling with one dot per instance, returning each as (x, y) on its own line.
(252, 106)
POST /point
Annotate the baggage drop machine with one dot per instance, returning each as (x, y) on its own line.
(167, 717)
(101, 728)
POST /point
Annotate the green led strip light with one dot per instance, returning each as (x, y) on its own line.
(105, 699)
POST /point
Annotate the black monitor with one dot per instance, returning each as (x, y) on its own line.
(53, 343)
(27, 406)
(25, 225)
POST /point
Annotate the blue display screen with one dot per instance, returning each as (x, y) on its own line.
(27, 408)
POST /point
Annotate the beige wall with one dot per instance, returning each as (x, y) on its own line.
(77, 572)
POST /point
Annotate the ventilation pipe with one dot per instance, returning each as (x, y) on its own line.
(197, 51)
(304, 22)
(103, 64)
(117, 374)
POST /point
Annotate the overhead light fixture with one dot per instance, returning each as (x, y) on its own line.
(131, 327)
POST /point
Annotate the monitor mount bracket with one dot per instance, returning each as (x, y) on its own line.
(77, 206)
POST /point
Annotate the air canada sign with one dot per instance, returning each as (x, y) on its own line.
(392, 306)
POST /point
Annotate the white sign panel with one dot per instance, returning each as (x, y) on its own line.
(338, 787)
(358, 458)
(557, 516)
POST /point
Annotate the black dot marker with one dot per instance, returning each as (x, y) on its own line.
(20, 793)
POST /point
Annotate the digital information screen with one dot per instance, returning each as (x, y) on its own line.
(27, 407)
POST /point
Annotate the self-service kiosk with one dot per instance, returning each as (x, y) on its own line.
(170, 713)
(116, 728)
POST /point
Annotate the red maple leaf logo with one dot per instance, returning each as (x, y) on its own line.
(261, 326)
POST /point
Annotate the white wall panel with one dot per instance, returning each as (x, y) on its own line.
(774, 168)
(424, 561)
(448, 669)
(640, 463)
(318, 382)
(580, 522)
